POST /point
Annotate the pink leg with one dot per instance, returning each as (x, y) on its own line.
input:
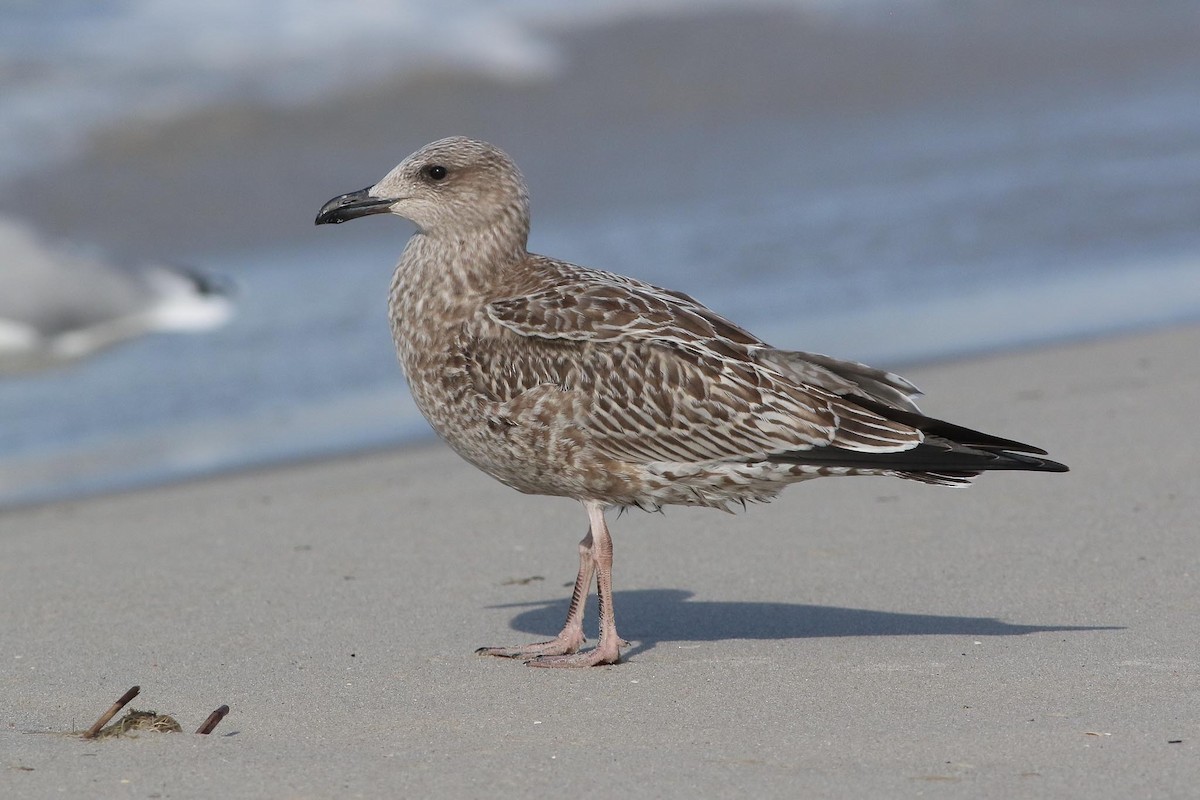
(571, 637)
(608, 649)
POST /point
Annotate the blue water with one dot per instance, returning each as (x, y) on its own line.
(884, 181)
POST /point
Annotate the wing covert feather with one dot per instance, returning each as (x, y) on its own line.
(664, 379)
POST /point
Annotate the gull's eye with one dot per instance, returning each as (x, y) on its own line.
(435, 172)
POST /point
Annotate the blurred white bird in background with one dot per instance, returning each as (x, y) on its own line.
(57, 306)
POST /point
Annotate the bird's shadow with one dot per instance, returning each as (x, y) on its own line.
(650, 616)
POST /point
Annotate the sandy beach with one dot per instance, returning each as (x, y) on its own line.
(1034, 636)
(899, 187)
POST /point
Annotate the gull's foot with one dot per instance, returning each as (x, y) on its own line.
(596, 657)
(556, 647)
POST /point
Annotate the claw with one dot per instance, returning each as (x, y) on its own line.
(560, 646)
(596, 657)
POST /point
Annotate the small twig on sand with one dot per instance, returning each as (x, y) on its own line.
(112, 712)
(213, 720)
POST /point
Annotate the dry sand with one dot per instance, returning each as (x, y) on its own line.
(1035, 636)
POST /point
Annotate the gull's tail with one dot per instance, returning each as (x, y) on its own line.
(950, 455)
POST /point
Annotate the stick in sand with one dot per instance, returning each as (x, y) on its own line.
(112, 712)
(212, 721)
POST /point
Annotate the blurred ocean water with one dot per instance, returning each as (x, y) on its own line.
(891, 181)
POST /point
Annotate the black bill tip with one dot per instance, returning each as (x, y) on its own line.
(350, 206)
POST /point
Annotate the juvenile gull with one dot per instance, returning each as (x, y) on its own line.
(560, 380)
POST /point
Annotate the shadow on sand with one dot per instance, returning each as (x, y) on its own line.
(650, 616)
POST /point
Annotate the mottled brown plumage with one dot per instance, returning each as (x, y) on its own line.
(562, 380)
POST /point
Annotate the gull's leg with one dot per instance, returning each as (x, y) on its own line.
(571, 637)
(608, 649)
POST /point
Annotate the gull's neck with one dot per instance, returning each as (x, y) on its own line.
(446, 276)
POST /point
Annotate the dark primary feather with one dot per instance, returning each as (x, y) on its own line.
(946, 430)
(933, 455)
(948, 450)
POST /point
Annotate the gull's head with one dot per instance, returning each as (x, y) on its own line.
(452, 185)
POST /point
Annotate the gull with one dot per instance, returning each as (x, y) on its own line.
(57, 307)
(566, 381)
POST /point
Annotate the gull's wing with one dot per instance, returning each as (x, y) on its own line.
(653, 376)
